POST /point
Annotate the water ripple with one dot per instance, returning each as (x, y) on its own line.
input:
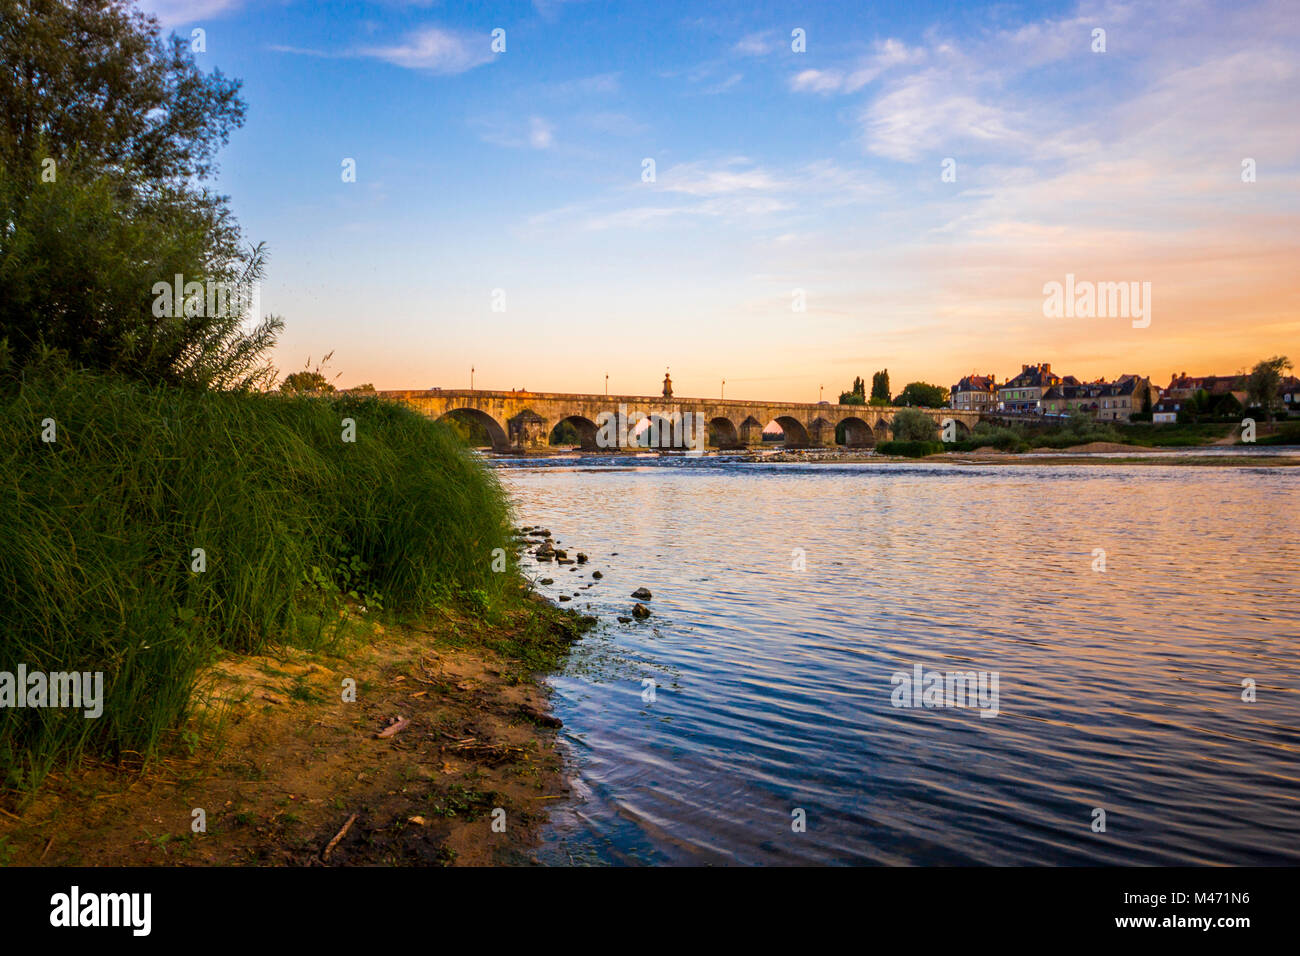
(786, 597)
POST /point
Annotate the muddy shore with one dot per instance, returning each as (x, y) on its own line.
(285, 771)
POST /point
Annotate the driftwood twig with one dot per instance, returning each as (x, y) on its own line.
(329, 847)
(398, 724)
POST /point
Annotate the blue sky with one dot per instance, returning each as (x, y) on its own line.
(775, 171)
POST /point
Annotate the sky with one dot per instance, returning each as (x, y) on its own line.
(781, 196)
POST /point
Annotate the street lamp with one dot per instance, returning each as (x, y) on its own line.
(471, 378)
(607, 385)
(819, 393)
(724, 388)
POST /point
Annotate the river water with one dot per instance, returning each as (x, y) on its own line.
(787, 597)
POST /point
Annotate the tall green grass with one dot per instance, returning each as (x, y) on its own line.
(97, 531)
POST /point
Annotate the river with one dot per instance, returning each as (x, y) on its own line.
(1124, 611)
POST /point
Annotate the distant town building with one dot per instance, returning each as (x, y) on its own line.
(975, 393)
(1105, 401)
(1023, 394)
(1184, 386)
(1165, 411)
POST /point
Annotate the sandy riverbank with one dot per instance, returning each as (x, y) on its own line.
(281, 764)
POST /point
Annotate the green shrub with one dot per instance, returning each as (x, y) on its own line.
(912, 449)
(910, 425)
(1008, 438)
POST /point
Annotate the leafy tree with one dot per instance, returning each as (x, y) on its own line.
(912, 425)
(106, 134)
(81, 265)
(858, 396)
(1264, 382)
(306, 382)
(923, 395)
(880, 387)
(309, 379)
(93, 82)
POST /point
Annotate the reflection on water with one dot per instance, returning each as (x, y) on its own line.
(1120, 690)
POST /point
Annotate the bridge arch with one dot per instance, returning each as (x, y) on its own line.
(668, 432)
(796, 435)
(854, 432)
(584, 427)
(496, 433)
(723, 432)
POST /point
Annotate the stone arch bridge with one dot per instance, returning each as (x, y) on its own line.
(523, 421)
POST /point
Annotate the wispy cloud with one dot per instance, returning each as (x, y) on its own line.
(435, 50)
(550, 9)
(514, 132)
(541, 134)
(926, 113)
(706, 179)
(734, 190)
(724, 86)
(173, 13)
(888, 54)
(299, 51)
(756, 44)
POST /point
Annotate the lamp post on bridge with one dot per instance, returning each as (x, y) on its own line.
(724, 389)
(819, 393)
(607, 385)
(471, 378)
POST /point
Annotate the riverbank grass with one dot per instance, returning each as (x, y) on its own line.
(143, 530)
